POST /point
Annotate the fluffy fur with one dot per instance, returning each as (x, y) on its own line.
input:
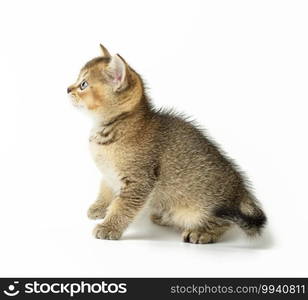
(156, 156)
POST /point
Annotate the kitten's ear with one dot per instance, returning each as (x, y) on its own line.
(104, 51)
(117, 73)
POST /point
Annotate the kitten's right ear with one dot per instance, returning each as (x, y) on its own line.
(117, 73)
(105, 52)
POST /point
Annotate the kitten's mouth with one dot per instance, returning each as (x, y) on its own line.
(75, 102)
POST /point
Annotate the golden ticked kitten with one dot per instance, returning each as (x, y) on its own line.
(156, 157)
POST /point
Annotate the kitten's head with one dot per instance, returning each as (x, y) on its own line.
(106, 85)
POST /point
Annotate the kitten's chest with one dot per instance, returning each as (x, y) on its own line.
(104, 158)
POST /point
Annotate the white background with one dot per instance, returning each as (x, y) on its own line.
(240, 68)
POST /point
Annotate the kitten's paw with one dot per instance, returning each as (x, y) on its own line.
(97, 136)
(104, 232)
(96, 212)
(158, 220)
(198, 237)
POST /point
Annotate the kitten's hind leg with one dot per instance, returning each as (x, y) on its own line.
(98, 209)
(210, 233)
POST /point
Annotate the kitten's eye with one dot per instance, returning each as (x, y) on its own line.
(83, 85)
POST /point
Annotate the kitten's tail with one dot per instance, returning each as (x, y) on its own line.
(247, 215)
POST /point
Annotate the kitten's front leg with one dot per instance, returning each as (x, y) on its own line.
(123, 209)
(98, 209)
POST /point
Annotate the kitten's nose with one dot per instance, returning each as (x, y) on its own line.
(69, 90)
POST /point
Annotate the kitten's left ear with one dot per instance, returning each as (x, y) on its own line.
(117, 73)
(105, 52)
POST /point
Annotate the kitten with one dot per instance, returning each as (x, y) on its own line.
(154, 156)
